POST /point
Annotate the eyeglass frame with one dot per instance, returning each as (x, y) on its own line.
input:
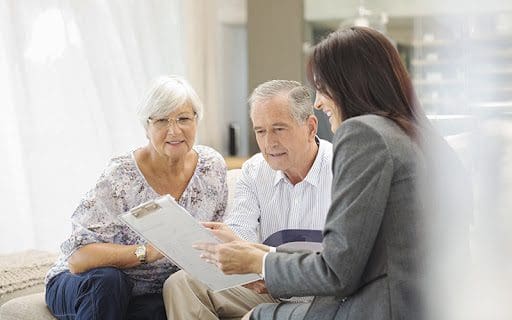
(175, 121)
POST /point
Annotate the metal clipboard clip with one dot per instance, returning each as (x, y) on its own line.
(145, 208)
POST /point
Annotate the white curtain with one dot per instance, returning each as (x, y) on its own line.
(71, 76)
(202, 47)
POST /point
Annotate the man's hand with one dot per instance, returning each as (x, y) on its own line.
(257, 286)
(221, 231)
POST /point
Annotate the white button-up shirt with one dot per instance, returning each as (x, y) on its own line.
(266, 202)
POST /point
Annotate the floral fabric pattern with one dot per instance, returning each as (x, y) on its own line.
(122, 187)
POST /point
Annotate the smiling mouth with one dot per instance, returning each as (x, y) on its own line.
(277, 154)
(173, 143)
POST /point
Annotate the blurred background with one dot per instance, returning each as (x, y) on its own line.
(72, 74)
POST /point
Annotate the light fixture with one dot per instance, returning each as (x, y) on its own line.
(366, 18)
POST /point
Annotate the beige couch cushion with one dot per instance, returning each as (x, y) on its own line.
(232, 177)
(32, 306)
(22, 275)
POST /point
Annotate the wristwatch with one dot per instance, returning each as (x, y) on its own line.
(140, 252)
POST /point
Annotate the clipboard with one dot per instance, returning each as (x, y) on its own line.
(172, 230)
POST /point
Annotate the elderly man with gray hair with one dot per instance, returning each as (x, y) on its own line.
(286, 186)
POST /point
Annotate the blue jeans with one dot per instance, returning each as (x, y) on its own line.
(102, 293)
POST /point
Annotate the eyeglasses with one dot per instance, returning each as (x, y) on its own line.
(182, 122)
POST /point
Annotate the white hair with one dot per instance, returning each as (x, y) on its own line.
(299, 98)
(165, 95)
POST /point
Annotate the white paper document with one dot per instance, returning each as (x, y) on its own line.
(172, 230)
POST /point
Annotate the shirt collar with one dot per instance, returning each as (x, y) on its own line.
(313, 176)
(279, 175)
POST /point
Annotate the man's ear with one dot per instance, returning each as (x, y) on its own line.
(312, 123)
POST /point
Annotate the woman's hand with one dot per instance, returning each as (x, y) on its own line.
(152, 254)
(221, 231)
(235, 257)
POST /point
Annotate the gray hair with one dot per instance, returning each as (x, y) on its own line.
(299, 97)
(165, 95)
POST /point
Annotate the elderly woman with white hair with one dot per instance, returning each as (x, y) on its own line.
(105, 270)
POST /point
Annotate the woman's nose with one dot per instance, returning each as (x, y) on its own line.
(173, 128)
(318, 102)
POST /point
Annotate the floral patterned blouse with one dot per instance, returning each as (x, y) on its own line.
(122, 187)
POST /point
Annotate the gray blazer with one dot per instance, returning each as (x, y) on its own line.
(371, 249)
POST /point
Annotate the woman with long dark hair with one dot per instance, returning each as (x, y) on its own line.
(373, 261)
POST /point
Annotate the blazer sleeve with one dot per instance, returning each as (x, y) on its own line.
(362, 175)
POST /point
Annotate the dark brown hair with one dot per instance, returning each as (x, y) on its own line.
(361, 71)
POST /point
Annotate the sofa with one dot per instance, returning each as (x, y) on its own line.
(22, 277)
